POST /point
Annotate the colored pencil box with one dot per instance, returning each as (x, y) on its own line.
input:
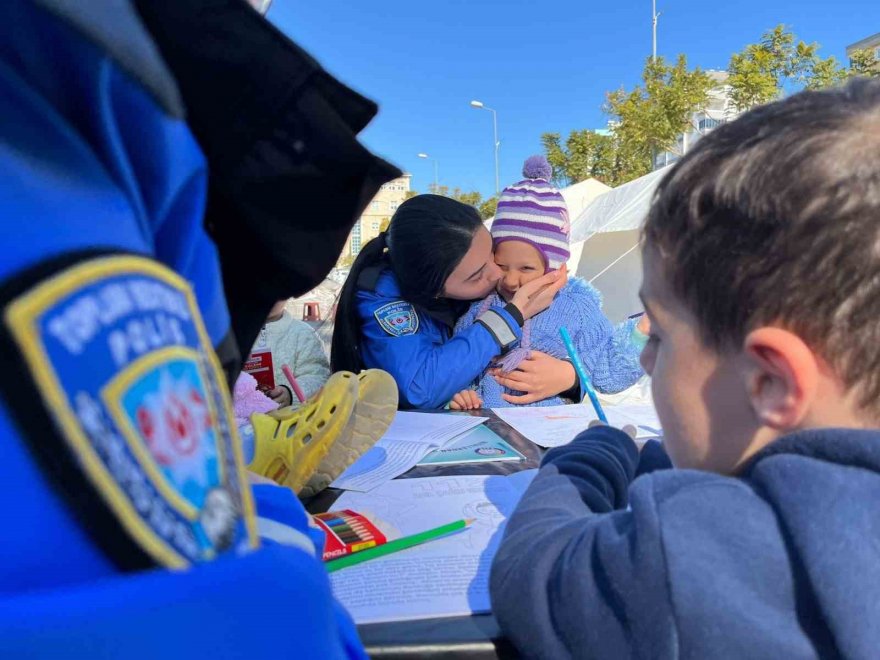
(346, 532)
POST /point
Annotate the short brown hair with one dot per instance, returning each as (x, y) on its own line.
(774, 219)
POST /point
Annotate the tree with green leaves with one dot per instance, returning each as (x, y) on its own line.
(655, 114)
(469, 198)
(780, 63)
(585, 154)
(761, 72)
(472, 198)
(863, 63)
(652, 117)
(487, 208)
(647, 120)
(826, 73)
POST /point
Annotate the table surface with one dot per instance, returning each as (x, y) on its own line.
(476, 636)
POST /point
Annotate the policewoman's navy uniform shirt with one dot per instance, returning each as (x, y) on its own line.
(419, 351)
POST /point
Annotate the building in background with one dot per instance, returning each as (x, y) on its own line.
(871, 43)
(376, 215)
(719, 110)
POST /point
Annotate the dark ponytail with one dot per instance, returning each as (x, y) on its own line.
(345, 347)
(426, 239)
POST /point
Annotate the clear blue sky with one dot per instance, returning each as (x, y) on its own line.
(544, 66)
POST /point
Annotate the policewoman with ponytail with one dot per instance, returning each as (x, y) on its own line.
(408, 287)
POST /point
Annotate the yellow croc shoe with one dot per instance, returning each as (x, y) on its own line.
(289, 445)
(373, 414)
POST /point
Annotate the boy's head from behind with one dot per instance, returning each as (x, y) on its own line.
(762, 278)
(530, 232)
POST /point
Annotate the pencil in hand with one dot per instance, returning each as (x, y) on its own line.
(295, 385)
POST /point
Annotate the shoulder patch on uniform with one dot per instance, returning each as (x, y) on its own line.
(141, 421)
(398, 318)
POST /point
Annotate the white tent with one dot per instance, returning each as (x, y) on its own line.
(620, 209)
(605, 244)
(580, 195)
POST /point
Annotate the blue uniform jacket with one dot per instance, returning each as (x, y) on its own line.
(781, 562)
(428, 363)
(96, 158)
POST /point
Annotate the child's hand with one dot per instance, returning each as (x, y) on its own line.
(537, 295)
(280, 395)
(466, 400)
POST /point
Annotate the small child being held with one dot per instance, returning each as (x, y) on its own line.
(531, 237)
(761, 277)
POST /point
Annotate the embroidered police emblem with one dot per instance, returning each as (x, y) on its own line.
(398, 319)
(122, 361)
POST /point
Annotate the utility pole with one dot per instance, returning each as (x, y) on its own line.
(654, 17)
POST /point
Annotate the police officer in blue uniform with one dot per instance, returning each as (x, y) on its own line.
(407, 288)
(129, 526)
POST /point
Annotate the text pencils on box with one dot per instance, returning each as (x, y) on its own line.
(398, 545)
(347, 532)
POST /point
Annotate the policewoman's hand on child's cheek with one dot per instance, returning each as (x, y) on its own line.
(536, 296)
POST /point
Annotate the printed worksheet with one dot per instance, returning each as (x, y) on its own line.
(410, 438)
(444, 577)
(553, 426)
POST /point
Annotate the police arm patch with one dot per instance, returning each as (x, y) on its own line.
(398, 319)
(137, 427)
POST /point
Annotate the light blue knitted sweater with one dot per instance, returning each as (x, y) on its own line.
(609, 353)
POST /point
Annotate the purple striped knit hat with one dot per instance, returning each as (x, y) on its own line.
(533, 211)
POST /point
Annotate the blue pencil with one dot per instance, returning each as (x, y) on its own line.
(586, 385)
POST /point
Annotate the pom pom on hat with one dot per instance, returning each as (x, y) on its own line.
(535, 212)
(537, 167)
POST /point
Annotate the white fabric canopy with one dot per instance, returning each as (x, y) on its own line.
(620, 209)
(605, 244)
(612, 262)
(580, 195)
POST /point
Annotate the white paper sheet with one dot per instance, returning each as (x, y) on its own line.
(641, 415)
(410, 438)
(444, 577)
(553, 426)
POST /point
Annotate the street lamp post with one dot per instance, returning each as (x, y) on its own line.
(654, 16)
(479, 105)
(436, 187)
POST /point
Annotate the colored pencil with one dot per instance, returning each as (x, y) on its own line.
(397, 545)
(584, 379)
(296, 388)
